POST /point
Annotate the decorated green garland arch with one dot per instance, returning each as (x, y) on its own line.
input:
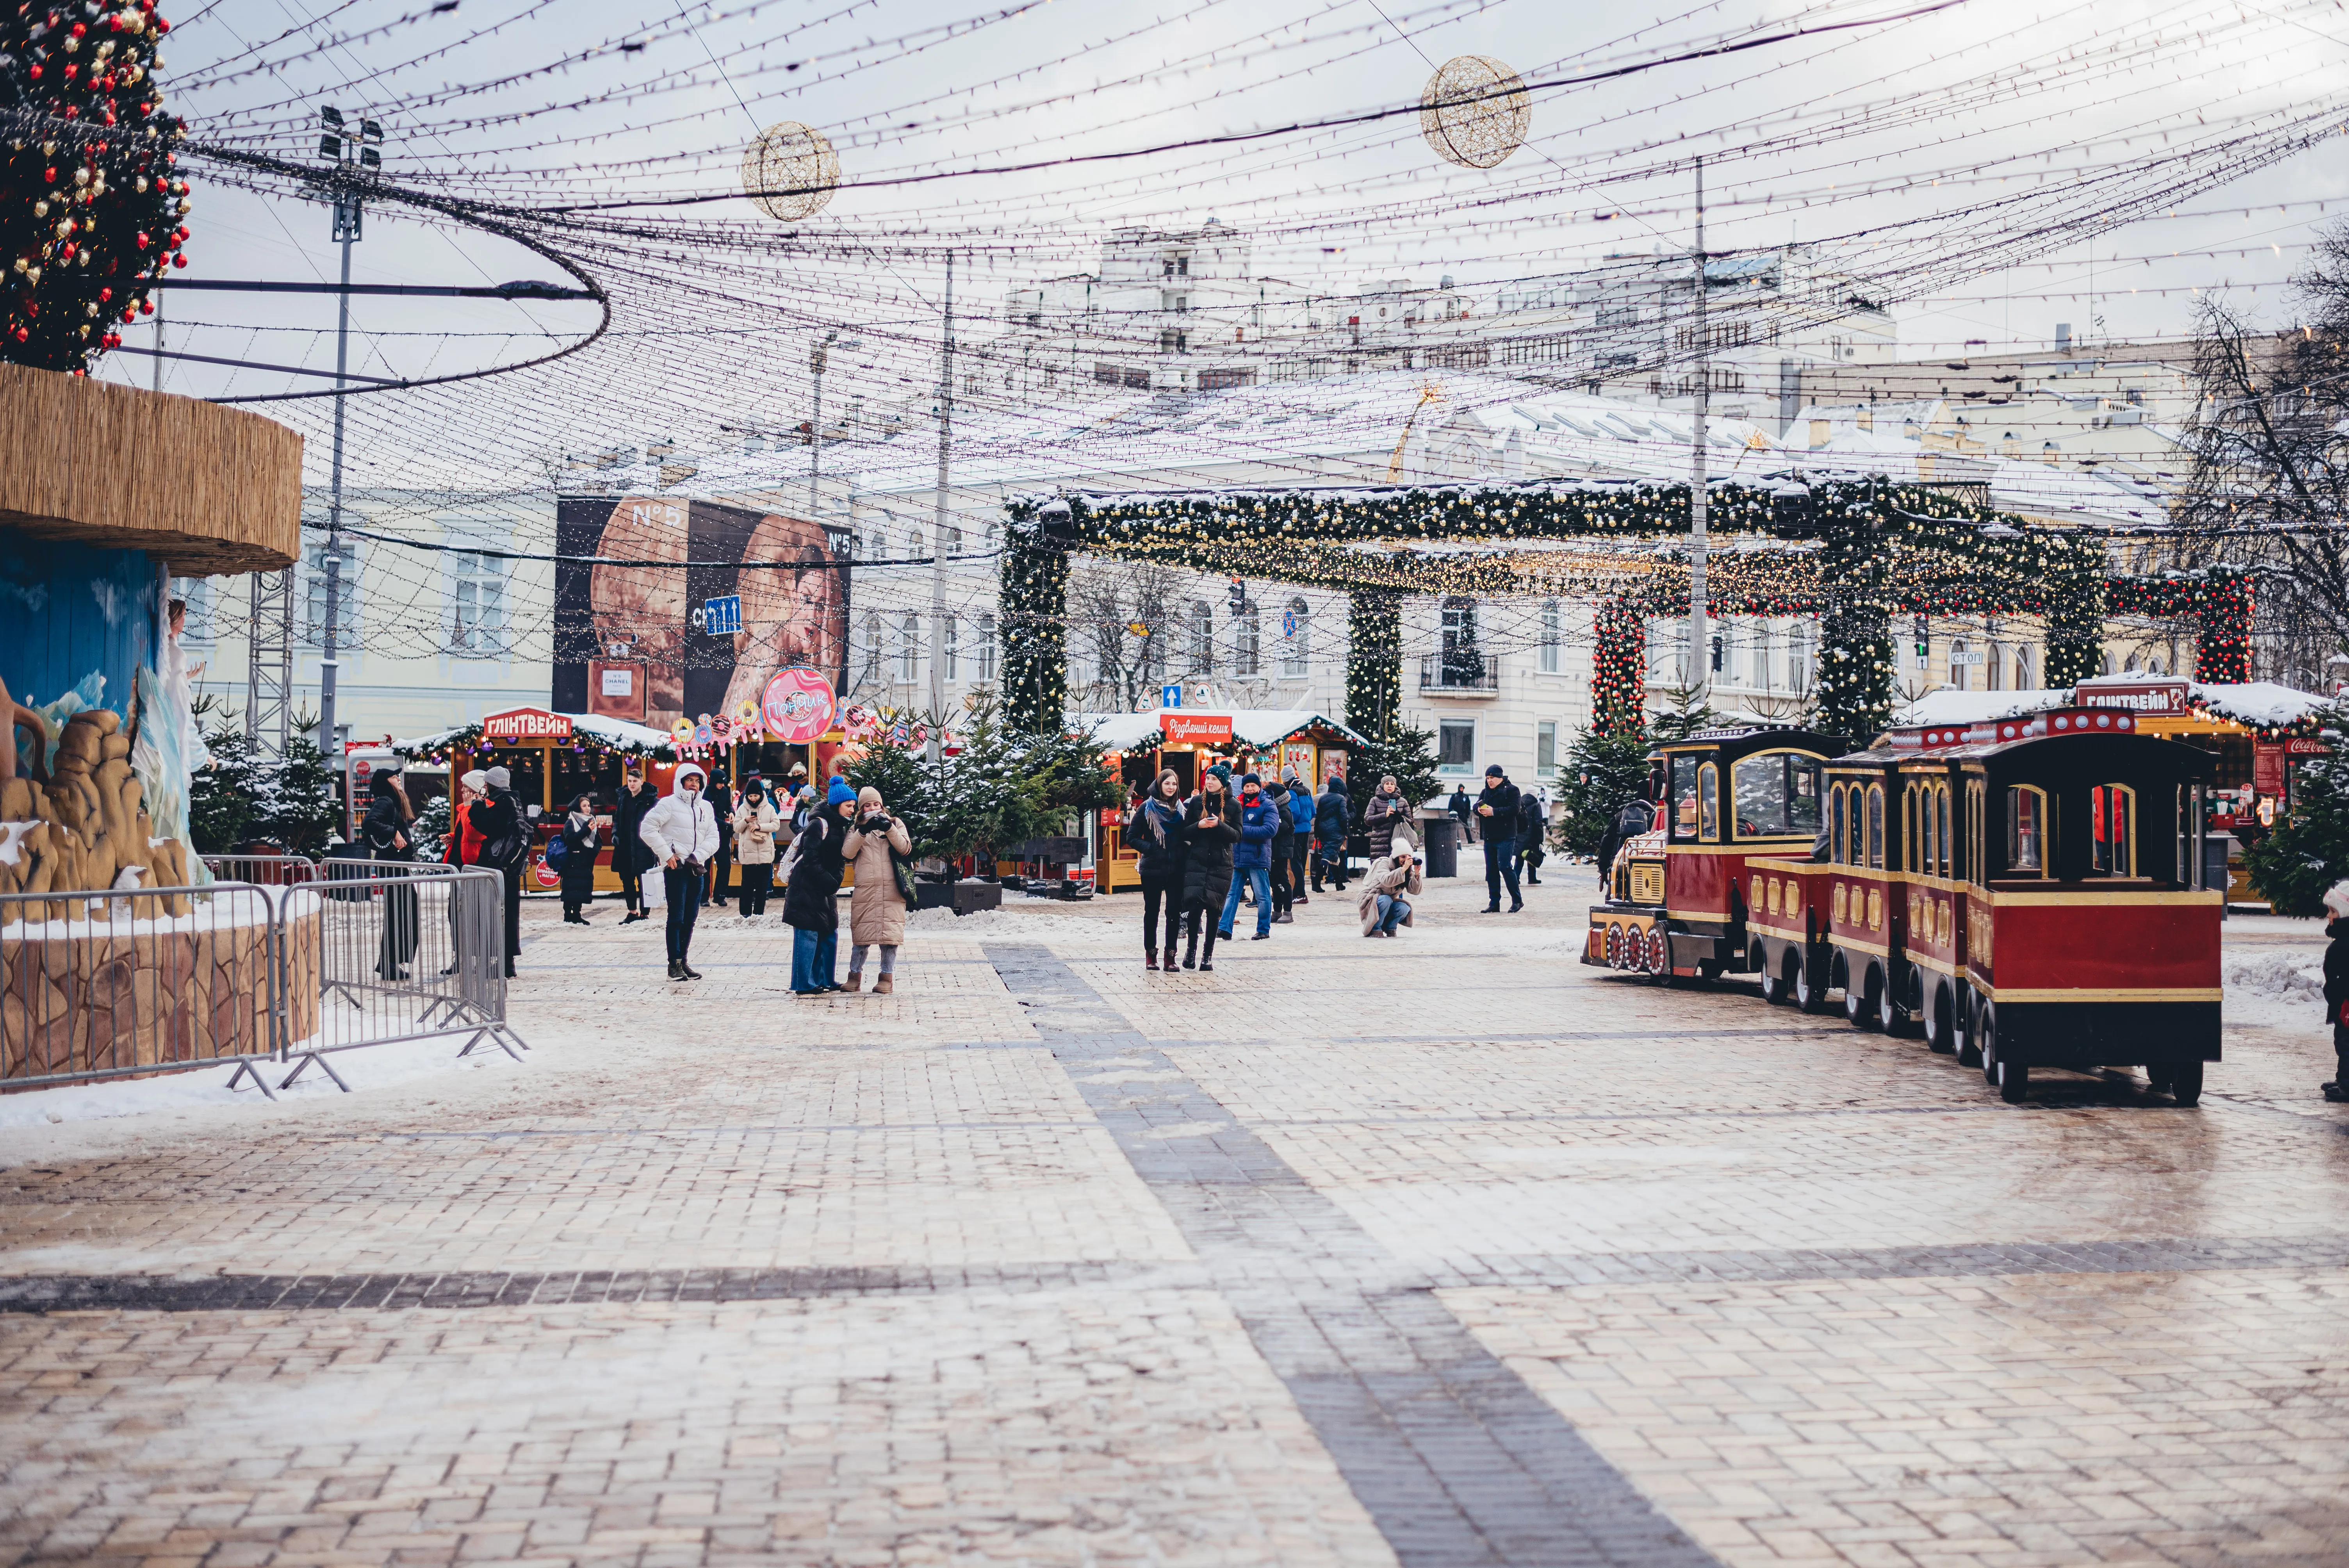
(1854, 551)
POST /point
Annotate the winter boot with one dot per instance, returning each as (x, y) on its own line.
(1150, 958)
(675, 969)
(882, 987)
(688, 970)
(855, 981)
(1169, 965)
(1191, 953)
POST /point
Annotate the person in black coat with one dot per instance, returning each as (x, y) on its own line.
(722, 800)
(390, 821)
(1497, 806)
(1157, 831)
(1533, 823)
(505, 848)
(1632, 819)
(2337, 986)
(1284, 852)
(577, 831)
(1334, 818)
(1212, 827)
(629, 856)
(1464, 809)
(811, 906)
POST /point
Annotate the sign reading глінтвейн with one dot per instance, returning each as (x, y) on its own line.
(2140, 697)
(526, 724)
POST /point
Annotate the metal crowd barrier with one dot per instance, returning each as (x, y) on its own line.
(101, 985)
(271, 963)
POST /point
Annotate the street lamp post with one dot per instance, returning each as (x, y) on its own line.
(354, 157)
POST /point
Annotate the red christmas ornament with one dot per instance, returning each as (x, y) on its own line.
(146, 307)
(22, 334)
(179, 259)
(105, 296)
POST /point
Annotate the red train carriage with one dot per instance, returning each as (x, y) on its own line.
(1677, 904)
(2025, 893)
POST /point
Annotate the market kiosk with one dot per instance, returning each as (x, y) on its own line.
(1264, 741)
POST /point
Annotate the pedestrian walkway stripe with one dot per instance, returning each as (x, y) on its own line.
(1457, 1461)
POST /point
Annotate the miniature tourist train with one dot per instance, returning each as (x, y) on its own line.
(2028, 893)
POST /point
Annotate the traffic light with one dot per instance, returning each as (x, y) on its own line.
(1239, 595)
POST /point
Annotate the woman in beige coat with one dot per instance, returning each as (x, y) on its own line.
(877, 912)
(756, 823)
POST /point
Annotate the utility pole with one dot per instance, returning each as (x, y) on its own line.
(348, 153)
(1700, 639)
(816, 356)
(938, 531)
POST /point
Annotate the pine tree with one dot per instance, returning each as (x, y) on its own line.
(1408, 754)
(1603, 771)
(2307, 852)
(90, 212)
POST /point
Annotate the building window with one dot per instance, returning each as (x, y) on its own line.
(950, 645)
(197, 593)
(1962, 656)
(1295, 638)
(1202, 638)
(1247, 643)
(1546, 749)
(1455, 745)
(873, 654)
(477, 592)
(983, 655)
(1799, 658)
(1464, 663)
(2025, 677)
(313, 595)
(1762, 656)
(909, 647)
(1549, 637)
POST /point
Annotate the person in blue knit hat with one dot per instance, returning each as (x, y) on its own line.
(839, 792)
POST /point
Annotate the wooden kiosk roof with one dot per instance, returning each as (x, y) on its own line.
(207, 490)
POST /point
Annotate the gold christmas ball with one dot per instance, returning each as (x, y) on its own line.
(1476, 111)
(791, 171)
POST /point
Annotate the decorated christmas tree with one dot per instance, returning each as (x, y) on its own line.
(91, 210)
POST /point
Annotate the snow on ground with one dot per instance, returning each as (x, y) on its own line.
(2275, 988)
(373, 1067)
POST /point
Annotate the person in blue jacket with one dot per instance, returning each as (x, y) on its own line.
(1252, 861)
(1333, 816)
(1301, 807)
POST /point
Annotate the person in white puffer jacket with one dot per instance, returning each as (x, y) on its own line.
(682, 834)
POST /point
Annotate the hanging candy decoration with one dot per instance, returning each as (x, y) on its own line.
(799, 706)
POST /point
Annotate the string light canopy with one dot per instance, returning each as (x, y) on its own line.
(1854, 553)
(1474, 112)
(791, 171)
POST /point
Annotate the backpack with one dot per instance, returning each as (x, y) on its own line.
(1635, 818)
(558, 849)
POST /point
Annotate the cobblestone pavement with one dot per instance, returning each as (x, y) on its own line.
(1439, 1251)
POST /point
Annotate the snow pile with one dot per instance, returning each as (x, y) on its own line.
(196, 1089)
(2277, 977)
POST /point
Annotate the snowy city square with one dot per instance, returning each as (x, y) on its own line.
(1461, 784)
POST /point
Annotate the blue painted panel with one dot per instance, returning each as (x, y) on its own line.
(68, 609)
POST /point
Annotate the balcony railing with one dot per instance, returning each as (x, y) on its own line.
(1468, 673)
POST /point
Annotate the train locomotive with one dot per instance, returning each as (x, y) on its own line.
(2025, 892)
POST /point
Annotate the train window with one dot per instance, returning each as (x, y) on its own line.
(1684, 796)
(1708, 803)
(1912, 832)
(1875, 825)
(1774, 794)
(2112, 850)
(2026, 830)
(1928, 842)
(1948, 863)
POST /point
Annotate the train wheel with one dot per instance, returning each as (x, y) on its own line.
(1891, 1016)
(1808, 977)
(1863, 1001)
(1660, 955)
(2186, 1081)
(1778, 985)
(1986, 1041)
(1965, 1013)
(1939, 1033)
(1614, 950)
(2014, 1082)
